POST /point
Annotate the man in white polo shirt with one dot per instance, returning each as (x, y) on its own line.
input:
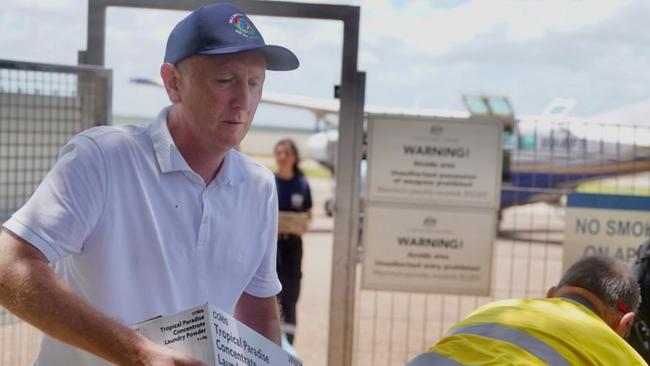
(148, 220)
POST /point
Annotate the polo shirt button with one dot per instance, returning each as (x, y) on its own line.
(205, 220)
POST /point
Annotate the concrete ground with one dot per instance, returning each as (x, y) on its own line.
(313, 305)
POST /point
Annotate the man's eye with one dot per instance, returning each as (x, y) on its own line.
(224, 81)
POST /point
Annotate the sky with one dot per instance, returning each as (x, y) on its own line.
(416, 53)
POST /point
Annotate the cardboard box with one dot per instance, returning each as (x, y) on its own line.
(216, 338)
(292, 222)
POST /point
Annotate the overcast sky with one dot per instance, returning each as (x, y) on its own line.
(417, 54)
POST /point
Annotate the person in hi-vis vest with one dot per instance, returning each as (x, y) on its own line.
(582, 321)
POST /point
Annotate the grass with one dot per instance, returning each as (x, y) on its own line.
(310, 172)
(311, 168)
(622, 189)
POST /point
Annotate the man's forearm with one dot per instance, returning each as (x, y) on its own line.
(270, 328)
(32, 291)
(260, 314)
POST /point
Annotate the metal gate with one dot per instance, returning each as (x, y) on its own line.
(41, 107)
(547, 160)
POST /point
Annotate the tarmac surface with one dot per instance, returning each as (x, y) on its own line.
(314, 302)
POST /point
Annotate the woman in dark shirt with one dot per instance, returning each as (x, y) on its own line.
(294, 196)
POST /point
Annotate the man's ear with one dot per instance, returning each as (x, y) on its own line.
(171, 78)
(551, 292)
(624, 325)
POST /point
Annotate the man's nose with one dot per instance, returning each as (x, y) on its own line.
(241, 96)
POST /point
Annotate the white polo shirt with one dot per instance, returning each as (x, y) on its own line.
(136, 233)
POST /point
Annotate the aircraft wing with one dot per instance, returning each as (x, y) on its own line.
(319, 106)
(322, 106)
(635, 114)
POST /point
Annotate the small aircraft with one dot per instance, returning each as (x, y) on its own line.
(545, 156)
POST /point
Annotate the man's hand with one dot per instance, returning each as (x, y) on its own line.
(30, 289)
(157, 355)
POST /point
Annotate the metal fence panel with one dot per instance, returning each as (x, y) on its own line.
(41, 107)
(547, 161)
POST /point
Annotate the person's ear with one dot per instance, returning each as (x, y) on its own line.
(624, 325)
(551, 292)
(171, 77)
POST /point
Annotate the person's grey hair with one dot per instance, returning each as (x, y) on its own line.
(609, 279)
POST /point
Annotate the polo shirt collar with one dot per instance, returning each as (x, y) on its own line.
(232, 172)
(170, 159)
(580, 300)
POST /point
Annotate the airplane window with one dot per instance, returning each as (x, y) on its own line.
(500, 106)
(476, 106)
(507, 139)
(526, 142)
(558, 110)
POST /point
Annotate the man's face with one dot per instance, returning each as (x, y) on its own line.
(219, 96)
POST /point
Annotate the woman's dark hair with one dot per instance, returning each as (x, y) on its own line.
(294, 149)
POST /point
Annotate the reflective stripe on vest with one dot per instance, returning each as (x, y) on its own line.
(517, 337)
(428, 359)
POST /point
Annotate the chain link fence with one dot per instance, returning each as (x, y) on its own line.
(41, 107)
(547, 160)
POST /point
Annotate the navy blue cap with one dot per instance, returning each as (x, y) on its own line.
(220, 29)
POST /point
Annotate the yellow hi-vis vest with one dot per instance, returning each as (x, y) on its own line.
(553, 332)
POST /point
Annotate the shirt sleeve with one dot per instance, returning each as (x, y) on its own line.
(265, 282)
(66, 206)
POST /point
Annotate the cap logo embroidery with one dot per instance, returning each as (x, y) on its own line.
(242, 25)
